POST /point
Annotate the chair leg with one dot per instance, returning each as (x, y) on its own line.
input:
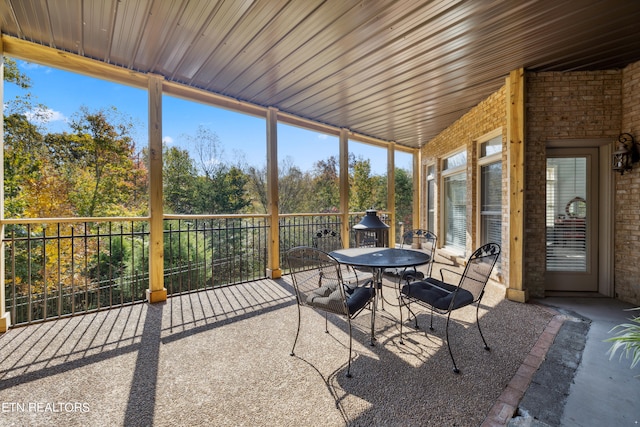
(415, 318)
(400, 307)
(431, 324)
(297, 333)
(372, 337)
(486, 347)
(326, 322)
(455, 367)
(350, 345)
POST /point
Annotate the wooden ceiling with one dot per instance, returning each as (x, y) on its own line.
(397, 71)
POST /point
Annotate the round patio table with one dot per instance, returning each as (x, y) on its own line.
(379, 259)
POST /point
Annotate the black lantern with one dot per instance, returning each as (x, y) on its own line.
(371, 231)
(626, 154)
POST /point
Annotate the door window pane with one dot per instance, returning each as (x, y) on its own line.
(566, 210)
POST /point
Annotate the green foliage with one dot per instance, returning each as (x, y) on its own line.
(178, 177)
(326, 186)
(404, 197)
(294, 188)
(627, 340)
(12, 73)
(207, 184)
(24, 152)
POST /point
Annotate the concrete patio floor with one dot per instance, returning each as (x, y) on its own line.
(221, 358)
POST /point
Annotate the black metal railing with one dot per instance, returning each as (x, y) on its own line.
(59, 268)
(201, 253)
(63, 267)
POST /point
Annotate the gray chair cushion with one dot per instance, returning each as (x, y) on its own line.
(438, 294)
(327, 298)
(359, 298)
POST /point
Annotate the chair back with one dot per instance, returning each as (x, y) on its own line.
(422, 240)
(478, 269)
(327, 240)
(316, 279)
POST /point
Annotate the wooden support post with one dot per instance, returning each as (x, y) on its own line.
(391, 193)
(515, 86)
(273, 252)
(415, 202)
(344, 186)
(156, 292)
(5, 317)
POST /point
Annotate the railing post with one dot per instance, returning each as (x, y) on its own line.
(156, 292)
(5, 318)
(273, 251)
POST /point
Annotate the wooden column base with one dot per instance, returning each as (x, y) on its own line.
(517, 295)
(274, 273)
(157, 296)
(5, 322)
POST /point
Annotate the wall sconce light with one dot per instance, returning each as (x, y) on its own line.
(626, 154)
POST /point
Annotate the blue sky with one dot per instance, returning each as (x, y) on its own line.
(242, 137)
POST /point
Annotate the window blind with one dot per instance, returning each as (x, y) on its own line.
(566, 214)
(455, 206)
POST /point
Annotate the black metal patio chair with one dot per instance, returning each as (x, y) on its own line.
(318, 284)
(420, 240)
(327, 240)
(444, 297)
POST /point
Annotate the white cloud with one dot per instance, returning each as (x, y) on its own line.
(167, 140)
(322, 136)
(45, 115)
(30, 65)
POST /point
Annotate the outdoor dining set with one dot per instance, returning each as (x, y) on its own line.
(331, 279)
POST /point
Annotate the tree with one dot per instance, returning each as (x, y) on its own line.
(404, 197)
(326, 186)
(294, 187)
(24, 154)
(99, 162)
(12, 74)
(362, 186)
(178, 176)
(219, 186)
(257, 188)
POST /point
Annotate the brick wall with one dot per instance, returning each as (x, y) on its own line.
(559, 105)
(627, 198)
(484, 118)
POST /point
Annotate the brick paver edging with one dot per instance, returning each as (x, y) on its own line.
(507, 404)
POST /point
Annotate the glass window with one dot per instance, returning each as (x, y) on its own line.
(455, 211)
(493, 146)
(455, 161)
(491, 203)
(431, 203)
(490, 164)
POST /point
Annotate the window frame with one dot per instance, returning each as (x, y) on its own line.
(430, 180)
(481, 162)
(444, 174)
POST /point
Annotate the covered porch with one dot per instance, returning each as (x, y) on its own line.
(398, 75)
